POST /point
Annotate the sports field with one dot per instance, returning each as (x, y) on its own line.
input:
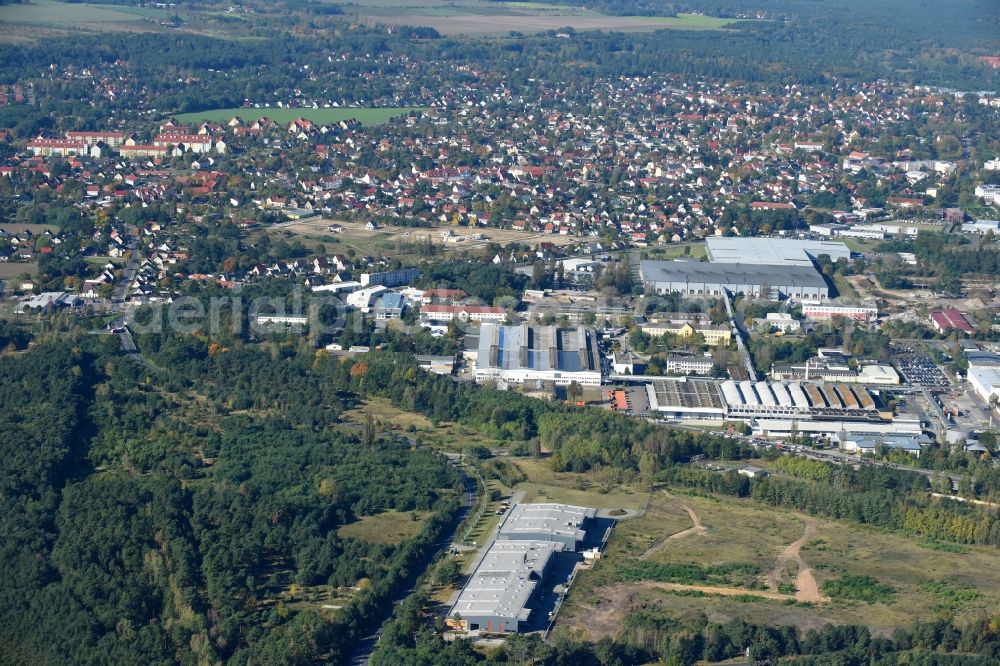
(366, 115)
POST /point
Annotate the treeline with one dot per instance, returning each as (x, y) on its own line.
(582, 439)
(152, 517)
(579, 439)
(478, 279)
(944, 256)
(807, 50)
(890, 499)
(655, 635)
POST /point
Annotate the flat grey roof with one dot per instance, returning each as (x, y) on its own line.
(772, 251)
(554, 520)
(679, 393)
(391, 300)
(982, 358)
(905, 442)
(504, 580)
(698, 272)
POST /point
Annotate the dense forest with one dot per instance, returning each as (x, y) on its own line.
(145, 521)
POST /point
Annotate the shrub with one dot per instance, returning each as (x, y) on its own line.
(858, 588)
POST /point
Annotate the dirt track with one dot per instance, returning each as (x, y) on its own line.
(805, 584)
(696, 528)
(720, 591)
(612, 603)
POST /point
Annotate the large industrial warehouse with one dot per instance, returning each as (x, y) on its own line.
(777, 408)
(560, 523)
(525, 353)
(769, 267)
(699, 278)
(498, 597)
(773, 251)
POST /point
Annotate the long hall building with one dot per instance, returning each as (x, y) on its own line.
(522, 354)
(699, 278)
(778, 407)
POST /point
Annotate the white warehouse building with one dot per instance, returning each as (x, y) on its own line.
(777, 408)
(699, 278)
(985, 380)
(496, 599)
(773, 251)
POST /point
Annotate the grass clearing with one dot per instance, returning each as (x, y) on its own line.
(759, 537)
(47, 19)
(10, 270)
(924, 582)
(49, 12)
(693, 250)
(402, 241)
(545, 485)
(853, 245)
(366, 115)
(323, 599)
(475, 17)
(389, 527)
(844, 288)
(445, 436)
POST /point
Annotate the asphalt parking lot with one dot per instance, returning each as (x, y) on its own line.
(918, 368)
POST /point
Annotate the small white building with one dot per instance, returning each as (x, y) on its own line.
(781, 321)
(981, 227)
(752, 472)
(287, 320)
(363, 299)
(869, 445)
(988, 193)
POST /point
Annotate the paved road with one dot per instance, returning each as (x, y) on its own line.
(363, 653)
(128, 274)
(739, 329)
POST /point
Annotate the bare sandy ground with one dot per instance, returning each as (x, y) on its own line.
(696, 528)
(805, 583)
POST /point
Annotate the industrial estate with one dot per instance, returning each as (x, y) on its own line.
(461, 333)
